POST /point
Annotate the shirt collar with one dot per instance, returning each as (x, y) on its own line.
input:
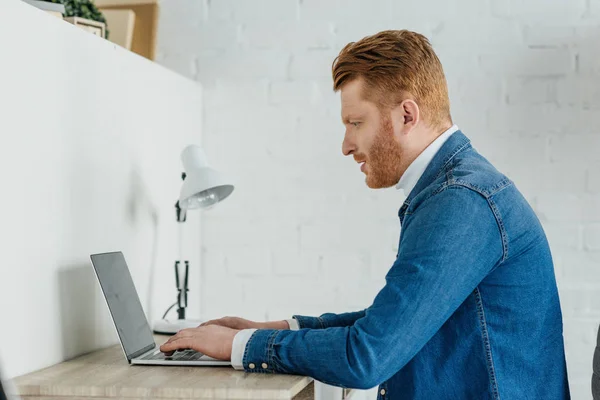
(415, 170)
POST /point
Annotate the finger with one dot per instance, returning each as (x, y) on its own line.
(170, 340)
(177, 344)
(186, 333)
(178, 335)
(174, 337)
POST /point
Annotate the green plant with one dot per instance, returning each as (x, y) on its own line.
(82, 8)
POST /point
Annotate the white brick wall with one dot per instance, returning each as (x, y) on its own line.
(302, 233)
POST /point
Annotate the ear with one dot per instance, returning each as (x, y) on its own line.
(405, 116)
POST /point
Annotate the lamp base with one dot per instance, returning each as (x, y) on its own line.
(172, 326)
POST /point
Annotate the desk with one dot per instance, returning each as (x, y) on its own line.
(105, 374)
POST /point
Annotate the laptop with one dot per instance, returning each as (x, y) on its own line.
(2, 393)
(129, 318)
(7, 389)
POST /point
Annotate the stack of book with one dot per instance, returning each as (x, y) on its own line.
(55, 9)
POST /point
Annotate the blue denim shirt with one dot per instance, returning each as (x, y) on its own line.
(470, 308)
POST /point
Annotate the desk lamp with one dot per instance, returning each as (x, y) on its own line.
(202, 188)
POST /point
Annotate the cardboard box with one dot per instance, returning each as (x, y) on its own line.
(94, 27)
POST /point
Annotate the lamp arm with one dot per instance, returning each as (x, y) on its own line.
(180, 213)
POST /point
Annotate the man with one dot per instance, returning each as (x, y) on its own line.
(470, 309)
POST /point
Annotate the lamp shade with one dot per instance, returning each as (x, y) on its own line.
(203, 186)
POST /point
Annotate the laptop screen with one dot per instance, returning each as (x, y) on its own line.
(123, 303)
(2, 394)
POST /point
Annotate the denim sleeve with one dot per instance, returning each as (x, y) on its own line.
(329, 320)
(448, 245)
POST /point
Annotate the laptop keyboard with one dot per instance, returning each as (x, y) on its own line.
(185, 355)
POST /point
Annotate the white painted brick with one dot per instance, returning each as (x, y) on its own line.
(290, 261)
(591, 208)
(223, 121)
(314, 10)
(463, 64)
(249, 260)
(578, 267)
(295, 291)
(474, 89)
(255, 64)
(533, 150)
(547, 177)
(272, 123)
(579, 384)
(534, 120)
(357, 10)
(577, 91)
(580, 301)
(347, 31)
(530, 62)
(559, 207)
(222, 10)
(182, 13)
(581, 332)
(577, 148)
(340, 235)
(549, 35)
(190, 39)
(435, 11)
(594, 9)
(223, 95)
(575, 120)
(587, 60)
(328, 129)
(591, 237)
(213, 268)
(528, 91)
(312, 64)
(564, 235)
(382, 261)
(585, 330)
(277, 312)
(357, 295)
(313, 100)
(501, 8)
(223, 298)
(593, 179)
(288, 35)
(296, 93)
(232, 233)
(501, 34)
(243, 10)
(349, 263)
(540, 11)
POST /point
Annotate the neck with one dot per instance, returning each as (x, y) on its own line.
(423, 139)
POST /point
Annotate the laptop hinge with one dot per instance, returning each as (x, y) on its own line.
(142, 356)
(143, 352)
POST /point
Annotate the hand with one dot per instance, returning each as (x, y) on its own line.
(235, 323)
(240, 323)
(213, 340)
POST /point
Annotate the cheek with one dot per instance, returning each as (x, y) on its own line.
(367, 142)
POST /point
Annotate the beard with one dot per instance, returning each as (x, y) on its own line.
(384, 159)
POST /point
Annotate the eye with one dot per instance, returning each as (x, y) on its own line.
(355, 124)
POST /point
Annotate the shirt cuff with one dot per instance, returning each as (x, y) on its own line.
(238, 348)
(294, 325)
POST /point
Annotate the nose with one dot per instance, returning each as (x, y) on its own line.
(348, 147)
